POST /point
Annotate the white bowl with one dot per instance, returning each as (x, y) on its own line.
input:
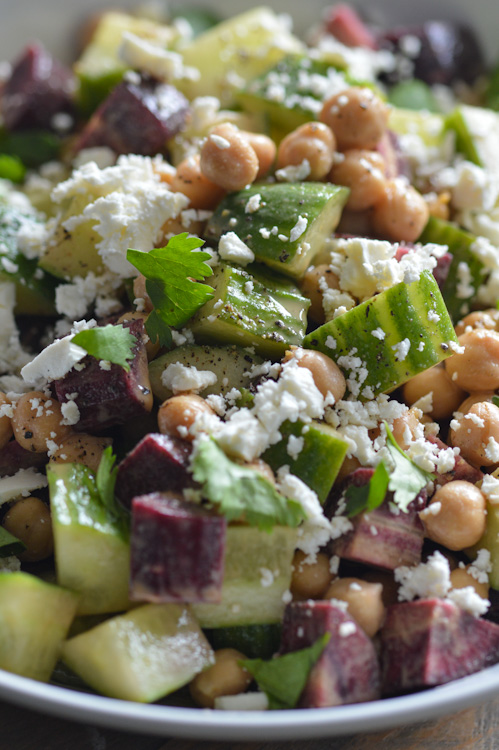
(54, 22)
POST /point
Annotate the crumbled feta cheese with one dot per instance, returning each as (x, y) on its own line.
(231, 248)
(425, 580)
(295, 446)
(21, 484)
(490, 488)
(153, 59)
(294, 173)
(468, 599)
(253, 204)
(242, 702)
(401, 349)
(180, 379)
(53, 362)
(299, 228)
(347, 628)
(70, 413)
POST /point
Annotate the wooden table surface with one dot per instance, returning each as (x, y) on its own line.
(473, 729)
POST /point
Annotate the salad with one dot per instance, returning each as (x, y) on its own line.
(249, 430)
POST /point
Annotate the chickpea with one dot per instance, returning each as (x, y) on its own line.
(310, 580)
(460, 518)
(37, 420)
(177, 414)
(265, 150)
(29, 520)
(460, 578)
(313, 142)
(313, 285)
(349, 465)
(262, 468)
(228, 159)
(475, 398)
(5, 421)
(190, 180)
(401, 214)
(140, 292)
(363, 172)
(357, 117)
(406, 427)
(327, 376)
(364, 599)
(152, 348)
(390, 587)
(477, 368)
(81, 448)
(180, 224)
(479, 319)
(477, 434)
(446, 395)
(225, 677)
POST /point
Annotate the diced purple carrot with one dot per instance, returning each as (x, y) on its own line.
(431, 642)
(348, 670)
(177, 550)
(158, 463)
(14, 457)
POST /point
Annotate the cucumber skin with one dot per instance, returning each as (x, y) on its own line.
(320, 460)
(254, 641)
(91, 547)
(281, 205)
(459, 242)
(272, 317)
(402, 313)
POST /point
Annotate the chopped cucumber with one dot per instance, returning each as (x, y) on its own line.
(289, 227)
(252, 307)
(426, 125)
(319, 460)
(490, 542)
(416, 333)
(235, 51)
(34, 620)
(257, 574)
(92, 552)
(231, 365)
(142, 655)
(477, 135)
(413, 94)
(457, 295)
(254, 641)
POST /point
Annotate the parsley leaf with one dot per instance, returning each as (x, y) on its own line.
(10, 544)
(371, 495)
(284, 678)
(172, 273)
(406, 478)
(113, 343)
(240, 491)
(495, 400)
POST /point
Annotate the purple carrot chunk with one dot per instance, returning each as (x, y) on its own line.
(38, 88)
(177, 550)
(380, 538)
(348, 670)
(136, 118)
(109, 396)
(433, 641)
(158, 463)
(14, 457)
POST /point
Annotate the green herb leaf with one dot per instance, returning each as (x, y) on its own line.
(10, 544)
(113, 343)
(105, 478)
(284, 678)
(371, 495)
(240, 491)
(172, 273)
(11, 168)
(406, 478)
(495, 400)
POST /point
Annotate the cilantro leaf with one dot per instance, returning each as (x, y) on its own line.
(113, 343)
(105, 479)
(10, 544)
(172, 273)
(371, 495)
(284, 678)
(240, 491)
(406, 478)
(495, 400)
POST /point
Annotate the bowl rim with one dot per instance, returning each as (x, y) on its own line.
(206, 724)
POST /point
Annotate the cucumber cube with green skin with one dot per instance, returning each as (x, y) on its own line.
(34, 621)
(142, 655)
(252, 307)
(319, 460)
(428, 126)
(386, 340)
(457, 296)
(477, 135)
(490, 542)
(100, 68)
(254, 641)
(91, 543)
(290, 225)
(235, 51)
(231, 365)
(257, 574)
